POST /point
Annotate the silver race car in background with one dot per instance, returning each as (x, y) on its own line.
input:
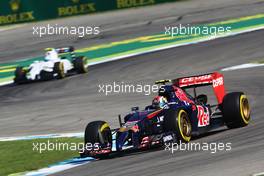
(53, 66)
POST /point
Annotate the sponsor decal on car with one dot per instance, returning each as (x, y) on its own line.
(203, 116)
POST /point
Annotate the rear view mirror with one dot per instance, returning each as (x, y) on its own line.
(134, 109)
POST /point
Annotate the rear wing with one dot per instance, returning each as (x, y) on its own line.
(215, 79)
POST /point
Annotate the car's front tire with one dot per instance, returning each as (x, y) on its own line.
(178, 122)
(98, 132)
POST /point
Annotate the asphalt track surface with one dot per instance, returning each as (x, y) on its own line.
(68, 105)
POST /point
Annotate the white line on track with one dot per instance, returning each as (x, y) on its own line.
(6, 28)
(6, 83)
(259, 174)
(58, 167)
(242, 66)
(45, 136)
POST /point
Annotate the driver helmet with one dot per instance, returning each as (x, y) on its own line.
(51, 54)
(159, 102)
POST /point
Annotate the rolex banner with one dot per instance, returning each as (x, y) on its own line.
(19, 11)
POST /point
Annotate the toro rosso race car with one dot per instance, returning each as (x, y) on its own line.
(173, 116)
(53, 66)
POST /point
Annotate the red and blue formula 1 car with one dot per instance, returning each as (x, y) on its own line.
(173, 116)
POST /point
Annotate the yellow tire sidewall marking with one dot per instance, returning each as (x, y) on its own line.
(104, 126)
(241, 109)
(186, 138)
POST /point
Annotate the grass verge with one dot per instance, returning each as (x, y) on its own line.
(19, 156)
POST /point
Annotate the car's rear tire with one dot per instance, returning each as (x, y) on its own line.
(178, 122)
(20, 75)
(98, 132)
(236, 110)
(80, 64)
(59, 69)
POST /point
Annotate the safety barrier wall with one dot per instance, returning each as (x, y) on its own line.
(20, 11)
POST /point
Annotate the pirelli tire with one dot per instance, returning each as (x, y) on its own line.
(236, 110)
(178, 121)
(20, 75)
(98, 132)
(59, 70)
(80, 64)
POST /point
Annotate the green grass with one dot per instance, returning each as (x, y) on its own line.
(18, 156)
(260, 62)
